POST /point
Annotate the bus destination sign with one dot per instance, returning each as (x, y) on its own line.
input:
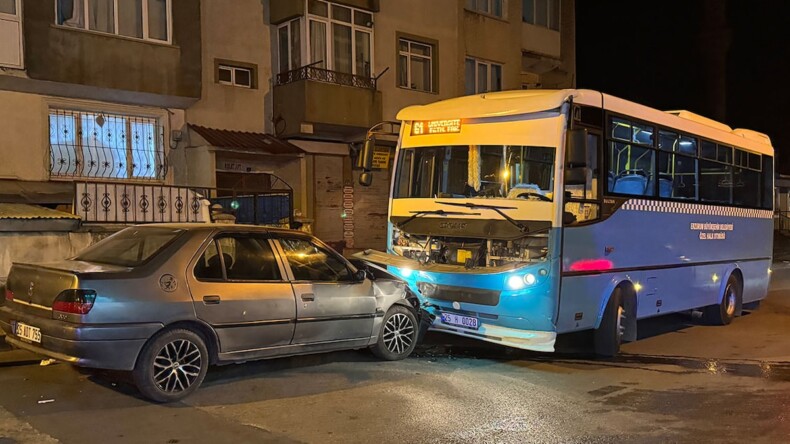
(425, 127)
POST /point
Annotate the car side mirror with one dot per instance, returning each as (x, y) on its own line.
(576, 151)
(366, 178)
(360, 275)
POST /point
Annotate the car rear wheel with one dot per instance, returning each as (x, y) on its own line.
(398, 335)
(724, 312)
(609, 334)
(171, 366)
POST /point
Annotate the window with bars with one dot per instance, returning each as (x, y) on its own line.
(141, 19)
(105, 146)
(416, 65)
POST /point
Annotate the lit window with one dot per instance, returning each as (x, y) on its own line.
(482, 76)
(495, 8)
(141, 19)
(339, 38)
(415, 65)
(235, 76)
(105, 146)
(544, 13)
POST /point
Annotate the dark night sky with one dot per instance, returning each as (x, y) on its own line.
(725, 59)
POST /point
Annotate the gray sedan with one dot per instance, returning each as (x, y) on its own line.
(166, 301)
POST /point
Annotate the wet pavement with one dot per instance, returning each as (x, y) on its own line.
(680, 382)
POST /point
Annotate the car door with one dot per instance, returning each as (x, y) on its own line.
(238, 287)
(330, 304)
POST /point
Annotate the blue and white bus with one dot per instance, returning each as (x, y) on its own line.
(521, 215)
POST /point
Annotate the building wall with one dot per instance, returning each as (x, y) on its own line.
(237, 34)
(61, 54)
(24, 146)
(495, 40)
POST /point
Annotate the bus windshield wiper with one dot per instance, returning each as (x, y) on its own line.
(497, 208)
(416, 214)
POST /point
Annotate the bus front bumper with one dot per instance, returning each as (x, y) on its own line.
(542, 341)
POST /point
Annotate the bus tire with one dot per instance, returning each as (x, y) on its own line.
(609, 334)
(724, 312)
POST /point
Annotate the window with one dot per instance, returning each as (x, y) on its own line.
(310, 262)
(106, 146)
(8, 7)
(131, 247)
(544, 13)
(235, 75)
(631, 158)
(238, 257)
(339, 38)
(141, 19)
(415, 65)
(482, 76)
(488, 7)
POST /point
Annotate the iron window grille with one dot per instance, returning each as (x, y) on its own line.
(105, 146)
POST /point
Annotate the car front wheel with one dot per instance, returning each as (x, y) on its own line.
(171, 366)
(398, 335)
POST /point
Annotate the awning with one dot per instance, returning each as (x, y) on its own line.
(21, 217)
(246, 141)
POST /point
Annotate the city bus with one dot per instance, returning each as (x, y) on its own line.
(520, 215)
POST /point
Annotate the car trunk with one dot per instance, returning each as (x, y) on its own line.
(35, 287)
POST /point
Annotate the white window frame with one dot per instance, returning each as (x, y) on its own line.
(549, 10)
(288, 25)
(471, 5)
(16, 18)
(146, 37)
(233, 70)
(488, 64)
(409, 55)
(329, 62)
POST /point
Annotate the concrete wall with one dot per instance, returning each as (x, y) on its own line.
(234, 34)
(24, 146)
(60, 54)
(40, 247)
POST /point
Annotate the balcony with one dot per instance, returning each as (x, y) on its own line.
(313, 102)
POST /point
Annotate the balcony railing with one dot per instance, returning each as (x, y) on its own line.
(324, 75)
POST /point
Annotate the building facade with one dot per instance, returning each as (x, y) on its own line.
(262, 104)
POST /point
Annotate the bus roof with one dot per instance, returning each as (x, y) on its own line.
(510, 103)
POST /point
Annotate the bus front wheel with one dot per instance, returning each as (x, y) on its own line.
(724, 312)
(609, 334)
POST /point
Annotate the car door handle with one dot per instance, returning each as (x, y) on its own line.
(308, 297)
(211, 300)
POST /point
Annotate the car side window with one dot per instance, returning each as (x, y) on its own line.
(209, 266)
(245, 258)
(309, 262)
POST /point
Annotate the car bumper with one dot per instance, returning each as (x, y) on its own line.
(534, 340)
(112, 347)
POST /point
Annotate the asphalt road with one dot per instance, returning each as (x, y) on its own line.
(680, 382)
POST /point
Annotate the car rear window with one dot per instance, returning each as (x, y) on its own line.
(131, 247)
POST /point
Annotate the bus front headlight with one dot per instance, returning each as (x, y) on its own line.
(515, 282)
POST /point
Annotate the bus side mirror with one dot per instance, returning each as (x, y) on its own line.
(366, 178)
(576, 152)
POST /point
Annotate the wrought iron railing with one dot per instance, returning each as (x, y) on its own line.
(105, 146)
(113, 202)
(310, 72)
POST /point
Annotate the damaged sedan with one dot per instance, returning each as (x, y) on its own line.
(165, 301)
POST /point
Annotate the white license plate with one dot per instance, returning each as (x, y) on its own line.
(27, 332)
(460, 321)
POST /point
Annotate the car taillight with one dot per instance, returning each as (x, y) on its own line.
(9, 295)
(74, 301)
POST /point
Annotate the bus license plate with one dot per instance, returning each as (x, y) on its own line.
(460, 321)
(27, 332)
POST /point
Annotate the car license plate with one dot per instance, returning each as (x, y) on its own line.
(27, 332)
(460, 321)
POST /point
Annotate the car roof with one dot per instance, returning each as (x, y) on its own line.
(197, 226)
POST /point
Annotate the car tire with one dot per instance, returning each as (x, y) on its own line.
(171, 365)
(609, 334)
(724, 312)
(398, 335)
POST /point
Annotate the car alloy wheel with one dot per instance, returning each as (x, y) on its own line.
(177, 366)
(398, 333)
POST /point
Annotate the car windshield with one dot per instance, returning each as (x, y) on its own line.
(131, 247)
(500, 171)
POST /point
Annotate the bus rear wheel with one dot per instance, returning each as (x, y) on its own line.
(724, 312)
(609, 334)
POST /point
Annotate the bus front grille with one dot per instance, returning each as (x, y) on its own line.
(459, 294)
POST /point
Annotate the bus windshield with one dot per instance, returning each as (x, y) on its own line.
(462, 171)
